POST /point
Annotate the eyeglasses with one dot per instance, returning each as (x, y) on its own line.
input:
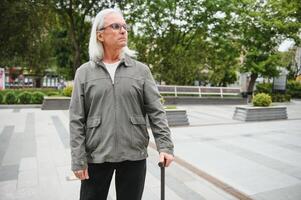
(116, 26)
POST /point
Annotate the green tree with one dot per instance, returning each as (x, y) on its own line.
(24, 40)
(174, 37)
(263, 25)
(75, 18)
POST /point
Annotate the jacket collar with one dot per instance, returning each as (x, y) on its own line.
(126, 60)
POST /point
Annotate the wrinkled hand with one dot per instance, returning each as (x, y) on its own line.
(167, 157)
(82, 174)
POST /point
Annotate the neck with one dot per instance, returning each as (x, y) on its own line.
(111, 55)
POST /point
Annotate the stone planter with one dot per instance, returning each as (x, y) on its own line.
(250, 113)
(177, 117)
(55, 103)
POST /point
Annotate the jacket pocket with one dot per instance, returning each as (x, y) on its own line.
(139, 135)
(92, 133)
(93, 122)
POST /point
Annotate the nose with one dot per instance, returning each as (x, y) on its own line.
(122, 30)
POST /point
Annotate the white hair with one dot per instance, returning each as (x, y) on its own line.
(95, 47)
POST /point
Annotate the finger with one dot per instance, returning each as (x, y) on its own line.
(86, 174)
(80, 174)
(169, 160)
(162, 157)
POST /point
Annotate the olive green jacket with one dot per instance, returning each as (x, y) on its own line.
(108, 121)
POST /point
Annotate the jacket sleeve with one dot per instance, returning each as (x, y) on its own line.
(77, 125)
(157, 115)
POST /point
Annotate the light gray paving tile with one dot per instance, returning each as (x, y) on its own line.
(241, 173)
(272, 151)
(175, 185)
(9, 172)
(28, 178)
(24, 142)
(5, 137)
(8, 189)
(208, 192)
(28, 163)
(50, 190)
(151, 181)
(70, 190)
(287, 193)
(27, 193)
(61, 130)
(261, 159)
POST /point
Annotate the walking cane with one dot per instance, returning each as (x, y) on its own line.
(162, 166)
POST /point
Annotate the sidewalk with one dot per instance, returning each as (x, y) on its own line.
(35, 163)
(259, 159)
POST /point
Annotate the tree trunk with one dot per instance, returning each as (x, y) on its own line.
(251, 87)
(76, 59)
(252, 83)
(75, 39)
(38, 82)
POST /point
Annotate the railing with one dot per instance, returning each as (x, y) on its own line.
(199, 91)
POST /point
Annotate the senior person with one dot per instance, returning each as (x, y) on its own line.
(111, 97)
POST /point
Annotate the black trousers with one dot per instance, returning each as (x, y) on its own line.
(129, 180)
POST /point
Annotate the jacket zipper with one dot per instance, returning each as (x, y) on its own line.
(115, 110)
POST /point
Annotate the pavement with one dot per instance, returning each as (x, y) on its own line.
(218, 158)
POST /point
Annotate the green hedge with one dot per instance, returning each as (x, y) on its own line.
(293, 90)
(25, 98)
(37, 97)
(10, 98)
(1, 98)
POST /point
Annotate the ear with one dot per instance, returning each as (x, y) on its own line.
(99, 36)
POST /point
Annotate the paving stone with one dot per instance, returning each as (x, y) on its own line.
(9, 172)
(28, 163)
(27, 178)
(8, 189)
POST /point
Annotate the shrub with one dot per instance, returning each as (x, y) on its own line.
(262, 99)
(294, 89)
(264, 88)
(162, 100)
(281, 97)
(10, 98)
(53, 94)
(25, 98)
(1, 98)
(37, 97)
(67, 91)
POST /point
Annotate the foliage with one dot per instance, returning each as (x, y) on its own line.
(170, 107)
(162, 100)
(24, 38)
(25, 98)
(31, 90)
(10, 98)
(281, 97)
(182, 41)
(67, 91)
(53, 94)
(1, 98)
(262, 99)
(264, 88)
(294, 89)
(37, 97)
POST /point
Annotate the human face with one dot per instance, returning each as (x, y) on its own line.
(113, 39)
